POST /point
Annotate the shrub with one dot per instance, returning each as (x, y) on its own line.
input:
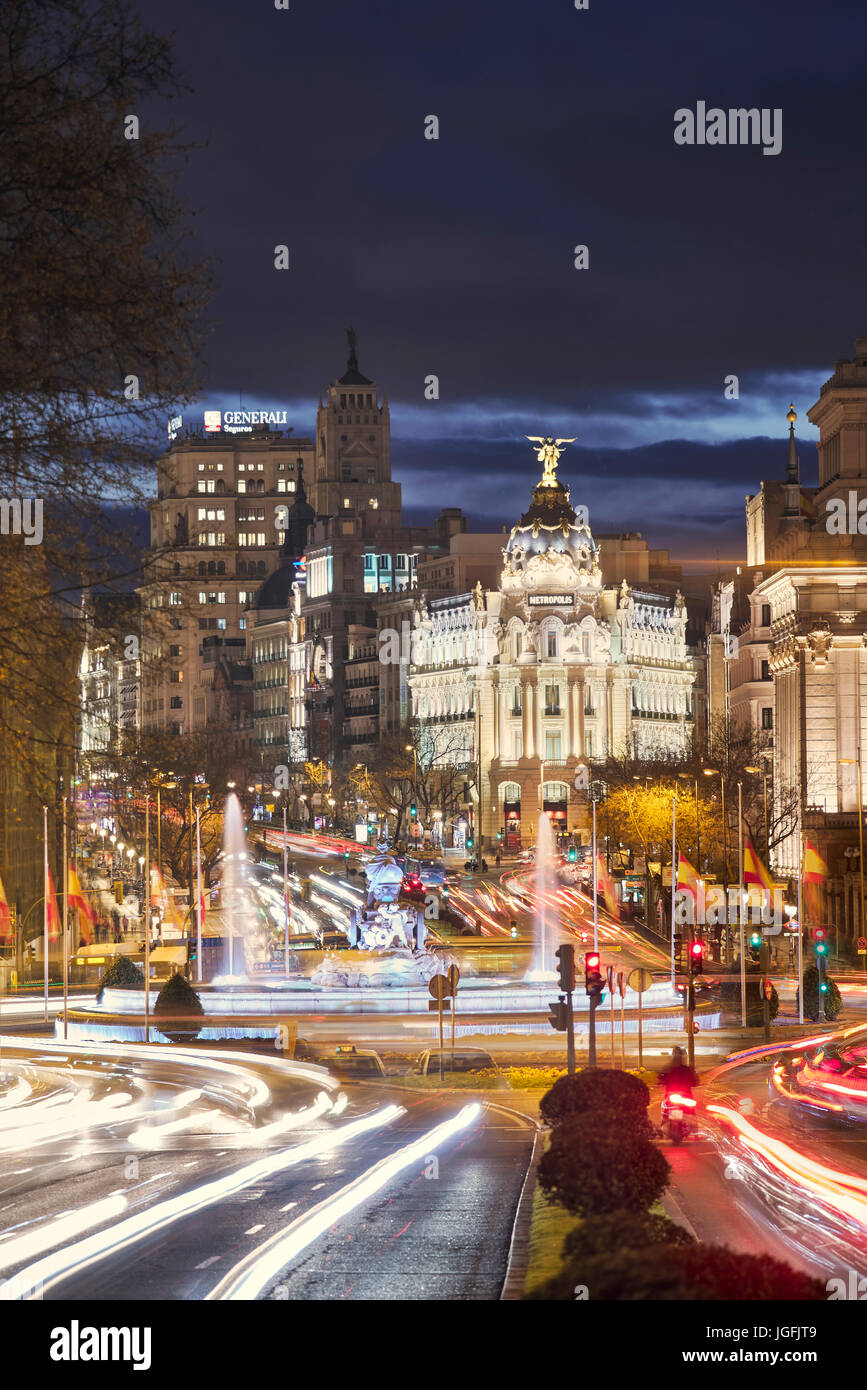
(593, 1091)
(180, 1008)
(121, 974)
(600, 1235)
(591, 1171)
(832, 1003)
(682, 1272)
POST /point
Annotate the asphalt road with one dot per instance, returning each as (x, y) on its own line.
(456, 1204)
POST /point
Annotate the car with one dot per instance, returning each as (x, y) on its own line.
(350, 1063)
(463, 1059)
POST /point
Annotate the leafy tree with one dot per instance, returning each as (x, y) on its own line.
(681, 1272)
(623, 1098)
(831, 1001)
(178, 1010)
(591, 1171)
(121, 974)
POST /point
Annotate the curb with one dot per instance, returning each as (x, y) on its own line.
(519, 1246)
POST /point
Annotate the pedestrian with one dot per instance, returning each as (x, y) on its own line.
(497, 859)
(484, 866)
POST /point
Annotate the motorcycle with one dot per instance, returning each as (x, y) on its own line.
(678, 1112)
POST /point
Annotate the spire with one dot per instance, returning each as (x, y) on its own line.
(352, 376)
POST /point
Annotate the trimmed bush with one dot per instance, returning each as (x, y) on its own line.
(831, 1001)
(682, 1272)
(592, 1171)
(180, 1008)
(121, 974)
(595, 1090)
(600, 1235)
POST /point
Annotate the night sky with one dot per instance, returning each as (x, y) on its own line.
(455, 256)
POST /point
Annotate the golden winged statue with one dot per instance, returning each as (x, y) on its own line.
(548, 455)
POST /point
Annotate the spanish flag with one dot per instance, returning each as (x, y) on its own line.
(5, 916)
(815, 873)
(605, 881)
(815, 868)
(53, 916)
(687, 878)
(754, 869)
(86, 914)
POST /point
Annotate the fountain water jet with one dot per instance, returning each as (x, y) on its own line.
(238, 912)
(544, 881)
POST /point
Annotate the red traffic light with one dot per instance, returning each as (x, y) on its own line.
(819, 933)
(591, 960)
(696, 950)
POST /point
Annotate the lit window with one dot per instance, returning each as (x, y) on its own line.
(202, 487)
(374, 504)
(203, 597)
(242, 485)
(347, 502)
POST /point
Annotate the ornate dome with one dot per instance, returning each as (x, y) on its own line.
(551, 547)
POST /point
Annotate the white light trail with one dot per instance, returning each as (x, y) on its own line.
(53, 1268)
(250, 1276)
(60, 1230)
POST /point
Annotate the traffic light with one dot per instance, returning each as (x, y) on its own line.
(566, 967)
(513, 931)
(573, 854)
(821, 943)
(593, 981)
(413, 812)
(755, 946)
(444, 895)
(696, 958)
(499, 834)
(558, 1014)
(470, 842)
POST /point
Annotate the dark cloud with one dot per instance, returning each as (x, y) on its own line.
(455, 257)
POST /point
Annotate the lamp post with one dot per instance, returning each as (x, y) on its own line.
(857, 763)
(715, 772)
(688, 776)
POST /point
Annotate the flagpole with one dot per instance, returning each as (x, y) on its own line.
(285, 901)
(198, 897)
(673, 873)
(741, 905)
(65, 927)
(147, 915)
(595, 885)
(45, 904)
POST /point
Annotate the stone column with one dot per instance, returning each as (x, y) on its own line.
(538, 694)
(575, 694)
(582, 700)
(496, 751)
(527, 706)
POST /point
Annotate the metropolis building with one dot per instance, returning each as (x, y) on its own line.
(551, 669)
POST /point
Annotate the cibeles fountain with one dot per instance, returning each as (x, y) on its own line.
(387, 939)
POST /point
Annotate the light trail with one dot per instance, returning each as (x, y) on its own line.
(59, 1230)
(251, 1275)
(52, 1269)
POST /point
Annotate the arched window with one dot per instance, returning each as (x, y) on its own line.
(203, 568)
(510, 791)
(212, 568)
(221, 567)
(260, 568)
(242, 567)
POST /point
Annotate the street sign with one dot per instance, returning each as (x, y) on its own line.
(439, 987)
(768, 988)
(621, 982)
(862, 945)
(609, 971)
(640, 980)
(454, 976)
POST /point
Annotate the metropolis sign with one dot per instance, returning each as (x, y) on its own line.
(242, 421)
(551, 600)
